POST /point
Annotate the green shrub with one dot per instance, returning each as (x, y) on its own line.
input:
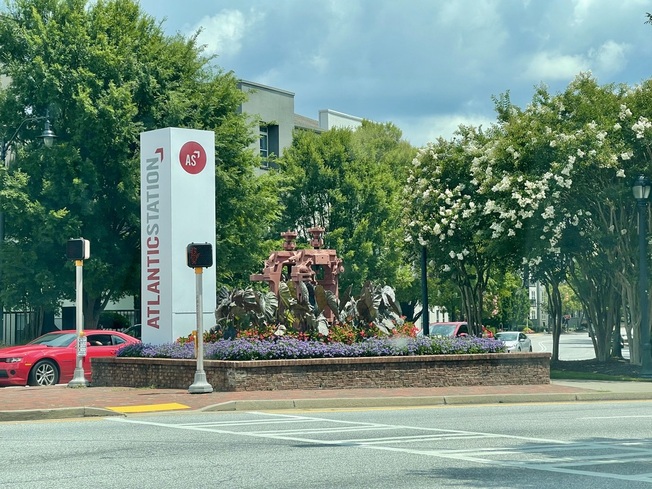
(112, 320)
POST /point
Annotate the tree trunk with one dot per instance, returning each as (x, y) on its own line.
(555, 311)
(92, 310)
(601, 301)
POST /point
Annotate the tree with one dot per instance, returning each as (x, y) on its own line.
(349, 182)
(548, 182)
(557, 166)
(447, 212)
(106, 72)
(511, 305)
(247, 208)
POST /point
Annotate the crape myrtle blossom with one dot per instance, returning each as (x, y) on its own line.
(625, 112)
(449, 201)
(640, 126)
(516, 201)
(546, 186)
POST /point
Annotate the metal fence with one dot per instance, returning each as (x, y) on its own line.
(16, 327)
(132, 316)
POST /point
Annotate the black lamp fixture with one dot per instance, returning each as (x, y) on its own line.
(47, 136)
(641, 188)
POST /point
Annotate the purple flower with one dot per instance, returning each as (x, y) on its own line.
(284, 348)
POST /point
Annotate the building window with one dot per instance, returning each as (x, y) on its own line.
(269, 144)
(264, 143)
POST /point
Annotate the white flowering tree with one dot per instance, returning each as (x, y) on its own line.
(554, 171)
(446, 213)
(549, 186)
(609, 141)
(634, 132)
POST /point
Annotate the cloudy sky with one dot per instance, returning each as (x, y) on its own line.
(424, 65)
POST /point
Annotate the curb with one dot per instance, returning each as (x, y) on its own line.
(56, 413)
(614, 396)
(376, 402)
(338, 403)
(332, 403)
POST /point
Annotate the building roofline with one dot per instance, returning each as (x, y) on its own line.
(342, 114)
(264, 87)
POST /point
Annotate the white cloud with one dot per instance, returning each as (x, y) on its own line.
(269, 78)
(426, 66)
(611, 57)
(319, 63)
(607, 59)
(423, 130)
(581, 10)
(223, 33)
(546, 66)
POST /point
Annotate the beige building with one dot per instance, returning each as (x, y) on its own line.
(272, 112)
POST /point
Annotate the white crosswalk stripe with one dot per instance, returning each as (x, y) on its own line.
(596, 459)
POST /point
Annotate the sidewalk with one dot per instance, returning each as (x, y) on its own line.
(58, 402)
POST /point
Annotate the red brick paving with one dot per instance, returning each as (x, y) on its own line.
(23, 398)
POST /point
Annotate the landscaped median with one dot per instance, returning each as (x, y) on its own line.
(327, 373)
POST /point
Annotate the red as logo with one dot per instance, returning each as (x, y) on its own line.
(192, 157)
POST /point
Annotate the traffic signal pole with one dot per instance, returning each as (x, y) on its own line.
(78, 379)
(200, 256)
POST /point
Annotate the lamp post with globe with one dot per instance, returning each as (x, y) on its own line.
(641, 190)
(47, 136)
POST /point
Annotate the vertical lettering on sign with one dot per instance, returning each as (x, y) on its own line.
(153, 248)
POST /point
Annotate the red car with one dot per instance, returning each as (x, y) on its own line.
(452, 329)
(51, 359)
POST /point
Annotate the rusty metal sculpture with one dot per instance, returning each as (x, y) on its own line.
(314, 266)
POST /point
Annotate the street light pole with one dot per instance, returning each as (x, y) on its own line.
(425, 308)
(641, 191)
(48, 136)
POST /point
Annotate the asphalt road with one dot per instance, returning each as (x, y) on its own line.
(572, 346)
(579, 445)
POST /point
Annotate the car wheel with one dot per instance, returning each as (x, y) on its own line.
(45, 372)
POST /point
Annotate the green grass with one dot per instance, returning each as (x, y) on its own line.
(565, 375)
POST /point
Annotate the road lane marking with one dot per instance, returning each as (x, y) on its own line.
(617, 417)
(547, 455)
(149, 408)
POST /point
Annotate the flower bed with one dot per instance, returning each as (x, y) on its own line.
(292, 348)
(246, 365)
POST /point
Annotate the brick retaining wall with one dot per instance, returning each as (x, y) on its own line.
(332, 373)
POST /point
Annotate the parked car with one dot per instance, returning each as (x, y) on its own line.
(453, 329)
(51, 359)
(515, 341)
(487, 333)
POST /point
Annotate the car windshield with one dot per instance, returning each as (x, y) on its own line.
(442, 329)
(507, 336)
(54, 339)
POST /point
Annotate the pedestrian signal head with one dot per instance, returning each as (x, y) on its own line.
(78, 249)
(200, 255)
